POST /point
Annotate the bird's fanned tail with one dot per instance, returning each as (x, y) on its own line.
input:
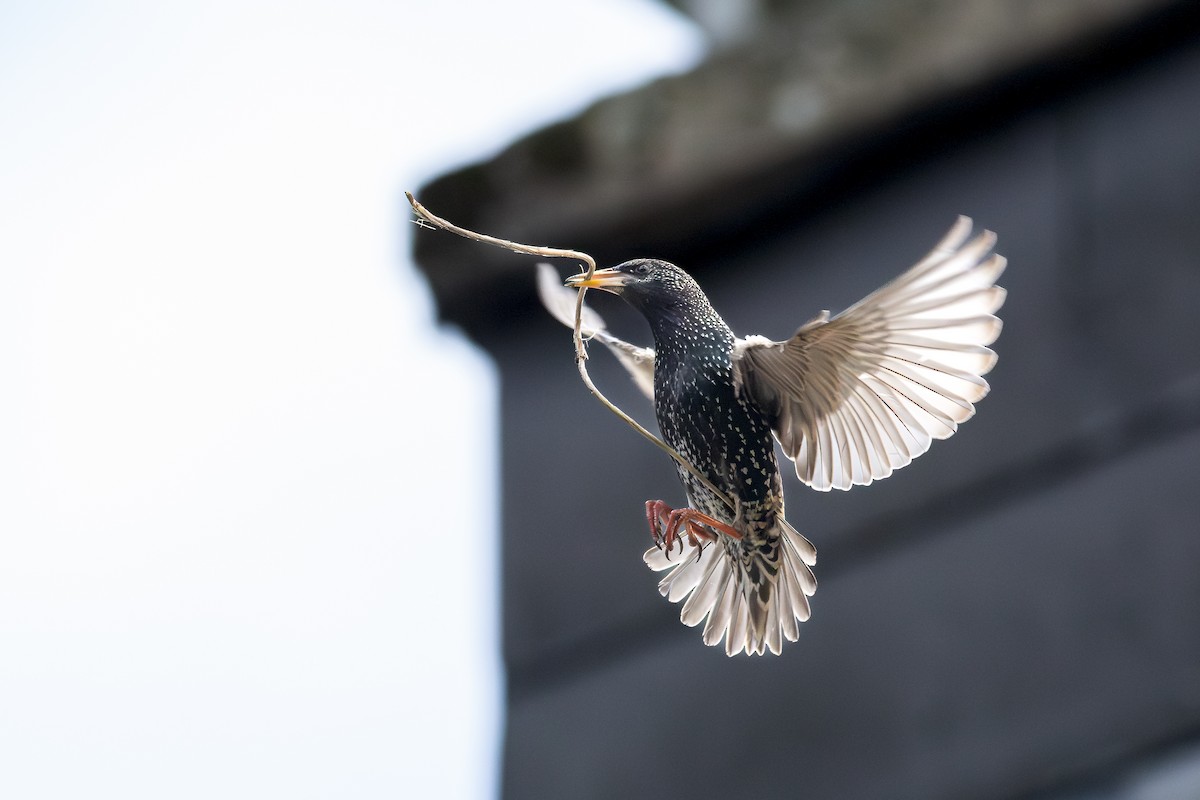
(752, 598)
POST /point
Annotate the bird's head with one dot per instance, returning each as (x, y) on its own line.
(648, 284)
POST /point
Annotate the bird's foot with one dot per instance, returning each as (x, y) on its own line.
(666, 524)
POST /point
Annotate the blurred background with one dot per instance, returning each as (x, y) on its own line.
(282, 515)
(1014, 615)
(248, 484)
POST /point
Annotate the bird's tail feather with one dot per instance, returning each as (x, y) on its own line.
(752, 599)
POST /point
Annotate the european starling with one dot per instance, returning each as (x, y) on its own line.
(850, 398)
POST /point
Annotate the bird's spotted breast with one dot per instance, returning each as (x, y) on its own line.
(703, 418)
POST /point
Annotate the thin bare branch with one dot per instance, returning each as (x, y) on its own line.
(516, 247)
(426, 218)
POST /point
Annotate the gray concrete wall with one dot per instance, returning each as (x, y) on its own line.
(1015, 612)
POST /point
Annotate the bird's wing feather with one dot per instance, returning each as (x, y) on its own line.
(560, 302)
(857, 396)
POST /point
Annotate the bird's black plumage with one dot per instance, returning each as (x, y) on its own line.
(707, 421)
(849, 398)
(717, 429)
(699, 412)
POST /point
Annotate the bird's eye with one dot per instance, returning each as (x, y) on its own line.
(641, 269)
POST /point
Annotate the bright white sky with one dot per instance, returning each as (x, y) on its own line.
(247, 487)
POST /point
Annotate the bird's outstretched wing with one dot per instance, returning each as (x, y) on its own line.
(560, 302)
(857, 396)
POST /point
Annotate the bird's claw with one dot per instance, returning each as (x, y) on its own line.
(666, 524)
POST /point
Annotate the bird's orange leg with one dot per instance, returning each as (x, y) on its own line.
(665, 523)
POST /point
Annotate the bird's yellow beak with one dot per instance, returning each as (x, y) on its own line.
(610, 280)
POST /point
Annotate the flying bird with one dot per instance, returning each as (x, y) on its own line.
(850, 398)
